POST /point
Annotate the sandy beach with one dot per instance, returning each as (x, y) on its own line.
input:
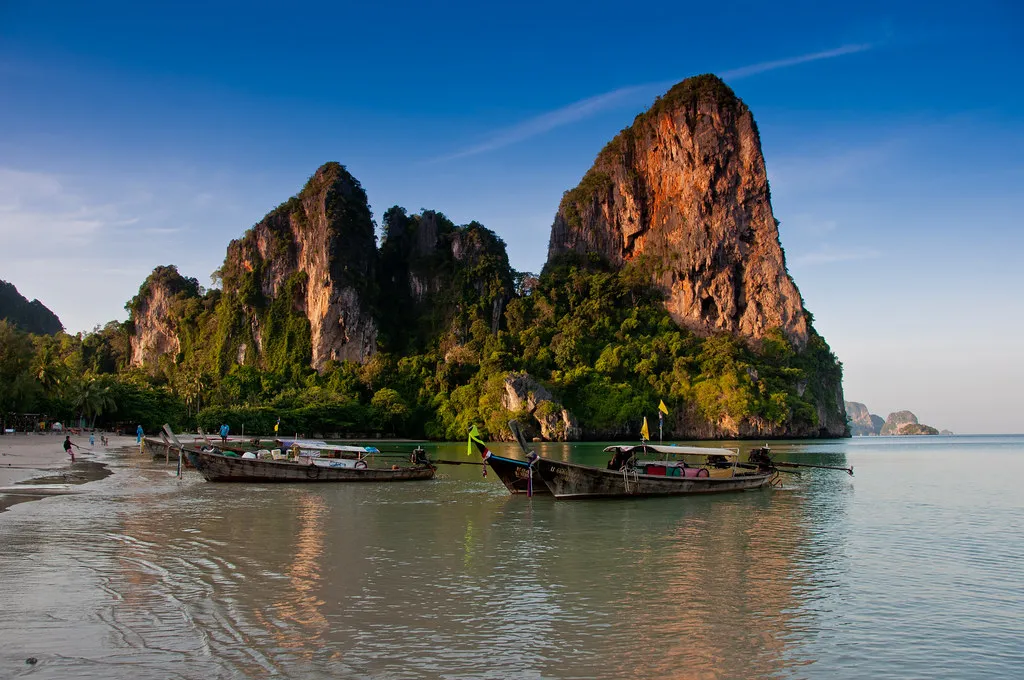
(30, 456)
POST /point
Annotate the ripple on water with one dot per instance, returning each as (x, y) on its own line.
(906, 570)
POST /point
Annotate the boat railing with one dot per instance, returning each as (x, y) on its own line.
(672, 456)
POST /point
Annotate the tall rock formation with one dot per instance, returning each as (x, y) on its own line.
(435, 277)
(905, 423)
(317, 251)
(862, 422)
(898, 419)
(155, 314)
(686, 186)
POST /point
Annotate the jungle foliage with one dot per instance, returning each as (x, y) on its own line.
(598, 338)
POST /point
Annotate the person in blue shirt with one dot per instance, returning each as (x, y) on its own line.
(138, 434)
(224, 429)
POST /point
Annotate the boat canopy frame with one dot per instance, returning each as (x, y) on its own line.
(671, 449)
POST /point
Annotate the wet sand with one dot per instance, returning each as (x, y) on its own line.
(34, 466)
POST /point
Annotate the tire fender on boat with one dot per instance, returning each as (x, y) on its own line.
(360, 465)
(313, 471)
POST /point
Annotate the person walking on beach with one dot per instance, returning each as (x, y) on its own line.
(138, 434)
(68, 449)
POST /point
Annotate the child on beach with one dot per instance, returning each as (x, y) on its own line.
(67, 447)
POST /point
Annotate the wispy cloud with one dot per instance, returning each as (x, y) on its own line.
(36, 208)
(754, 69)
(591, 106)
(832, 168)
(584, 108)
(829, 255)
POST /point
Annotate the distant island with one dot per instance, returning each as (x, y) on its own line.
(866, 424)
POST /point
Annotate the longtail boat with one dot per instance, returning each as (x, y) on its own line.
(518, 476)
(331, 463)
(216, 467)
(633, 471)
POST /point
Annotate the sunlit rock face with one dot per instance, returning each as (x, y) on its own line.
(153, 318)
(685, 188)
(319, 248)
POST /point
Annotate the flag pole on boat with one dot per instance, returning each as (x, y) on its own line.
(662, 412)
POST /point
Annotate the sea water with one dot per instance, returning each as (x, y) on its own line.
(912, 568)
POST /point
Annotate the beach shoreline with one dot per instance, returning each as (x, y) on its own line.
(25, 457)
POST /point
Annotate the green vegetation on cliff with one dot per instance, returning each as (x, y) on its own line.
(599, 339)
(33, 316)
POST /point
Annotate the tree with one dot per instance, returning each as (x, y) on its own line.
(18, 389)
(94, 398)
(390, 405)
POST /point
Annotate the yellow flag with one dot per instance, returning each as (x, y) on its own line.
(645, 434)
(662, 407)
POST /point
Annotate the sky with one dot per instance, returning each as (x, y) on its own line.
(134, 135)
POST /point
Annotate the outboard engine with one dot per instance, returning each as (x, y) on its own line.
(762, 458)
(620, 459)
(419, 456)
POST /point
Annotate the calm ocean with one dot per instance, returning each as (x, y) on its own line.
(913, 568)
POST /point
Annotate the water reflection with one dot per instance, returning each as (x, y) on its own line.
(300, 604)
(152, 577)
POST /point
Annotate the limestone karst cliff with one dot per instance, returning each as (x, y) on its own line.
(686, 186)
(155, 316)
(862, 422)
(319, 251)
(682, 197)
(435, 276)
(665, 281)
(905, 423)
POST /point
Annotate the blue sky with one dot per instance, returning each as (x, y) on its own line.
(133, 136)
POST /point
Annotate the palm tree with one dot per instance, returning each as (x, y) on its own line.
(93, 399)
(48, 369)
(190, 385)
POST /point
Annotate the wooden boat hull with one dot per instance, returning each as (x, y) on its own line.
(217, 468)
(569, 480)
(515, 475)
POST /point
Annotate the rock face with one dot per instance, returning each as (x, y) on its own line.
(896, 420)
(690, 421)
(686, 186)
(432, 271)
(154, 314)
(319, 249)
(525, 395)
(308, 281)
(862, 423)
(905, 423)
